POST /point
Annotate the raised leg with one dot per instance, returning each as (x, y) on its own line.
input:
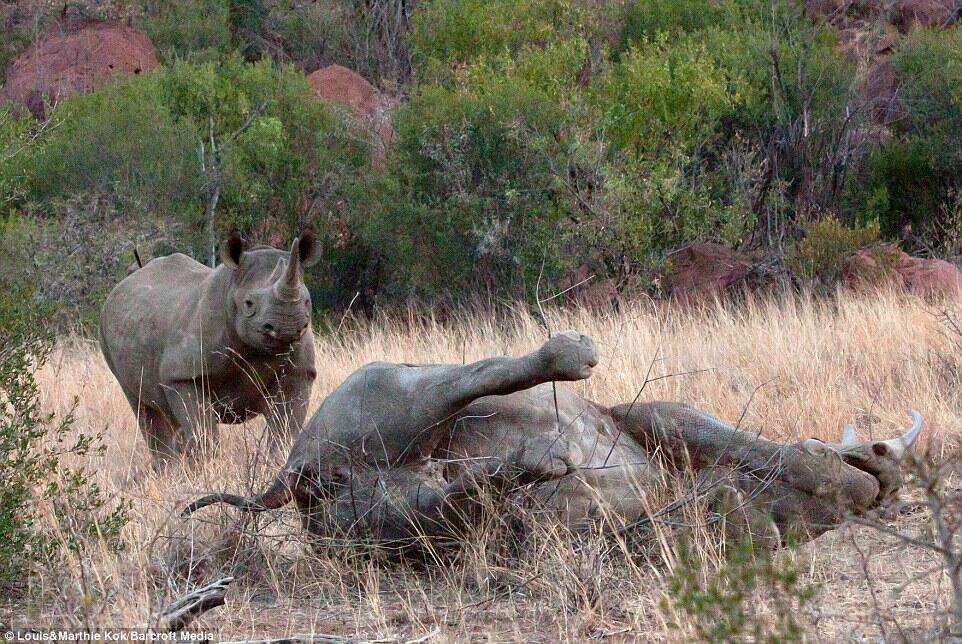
(386, 414)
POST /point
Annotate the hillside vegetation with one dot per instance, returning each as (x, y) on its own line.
(534, 141)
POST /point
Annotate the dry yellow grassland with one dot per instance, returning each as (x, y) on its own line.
(794, 369)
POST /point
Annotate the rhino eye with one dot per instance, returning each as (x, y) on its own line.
(248, 307)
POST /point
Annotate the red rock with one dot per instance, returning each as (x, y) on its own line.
(583, 288)
(705, 269)
(347, 88)
(930, 277)
(76, 61)
(925, 13)
(927, 278)
(879, 90)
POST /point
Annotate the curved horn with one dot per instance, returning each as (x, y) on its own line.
(848, 436)
(278, 494)
(288, 286)
(899, 445)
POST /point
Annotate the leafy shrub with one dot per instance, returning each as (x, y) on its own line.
(138, 142)
(187, 29)
(478, 201)
(819, 257)
(121, 140)
(15, 140)
(665, 107)
(294, 159)
(722, 606)
(909, 179)
(34, 449)
(446, 34)
(314, 33)
(646, 19)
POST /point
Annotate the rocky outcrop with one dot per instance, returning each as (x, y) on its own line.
(927, 278)
(348, 89)
(704, 269)
(76, 58)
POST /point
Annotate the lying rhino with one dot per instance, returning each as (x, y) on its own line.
(193, 346)
(366, 463)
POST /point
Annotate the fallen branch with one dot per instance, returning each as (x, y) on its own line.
(183, 611)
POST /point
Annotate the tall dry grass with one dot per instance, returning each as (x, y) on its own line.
(793, 369)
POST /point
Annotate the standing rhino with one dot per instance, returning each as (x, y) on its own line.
(366, 464)
(193, 346)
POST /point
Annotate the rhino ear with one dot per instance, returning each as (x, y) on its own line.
(309, 247)
(231, 251)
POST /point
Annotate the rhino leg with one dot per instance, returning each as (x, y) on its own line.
(196, 420)
(159, 432)
(438, 392)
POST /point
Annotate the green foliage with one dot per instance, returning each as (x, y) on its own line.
(121, 140)
(722, 605)
(909, 179)
(138, 142)
(482, 168)
(646, 19)
(537, 138)
(195, 30)
(446, 34)
(314, 33)
(296, 157)
(35, 448)
(15, 140)
(819, 257)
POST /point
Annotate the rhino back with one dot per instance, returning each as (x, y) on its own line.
(147, 314)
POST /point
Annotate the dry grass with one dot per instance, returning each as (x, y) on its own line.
(794, 369)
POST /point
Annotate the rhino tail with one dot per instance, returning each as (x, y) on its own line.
(279, 493)
(140, 264)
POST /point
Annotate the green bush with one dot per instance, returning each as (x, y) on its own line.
(314, 33)
(819, 258)
(910, 179)
(15, 142)
(295, 159)
(188, 29)
(646, 19)
(479, 206)
(447, 34)
(34, 452)
(721, 604)
(123, 141)
(138, 142)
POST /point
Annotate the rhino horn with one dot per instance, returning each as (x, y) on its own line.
(288, 287)
(898, 446)
(848, 436)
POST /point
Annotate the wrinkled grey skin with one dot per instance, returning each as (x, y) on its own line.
(399, 454)
(193, 346)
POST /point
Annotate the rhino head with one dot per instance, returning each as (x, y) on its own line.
(268, 306)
